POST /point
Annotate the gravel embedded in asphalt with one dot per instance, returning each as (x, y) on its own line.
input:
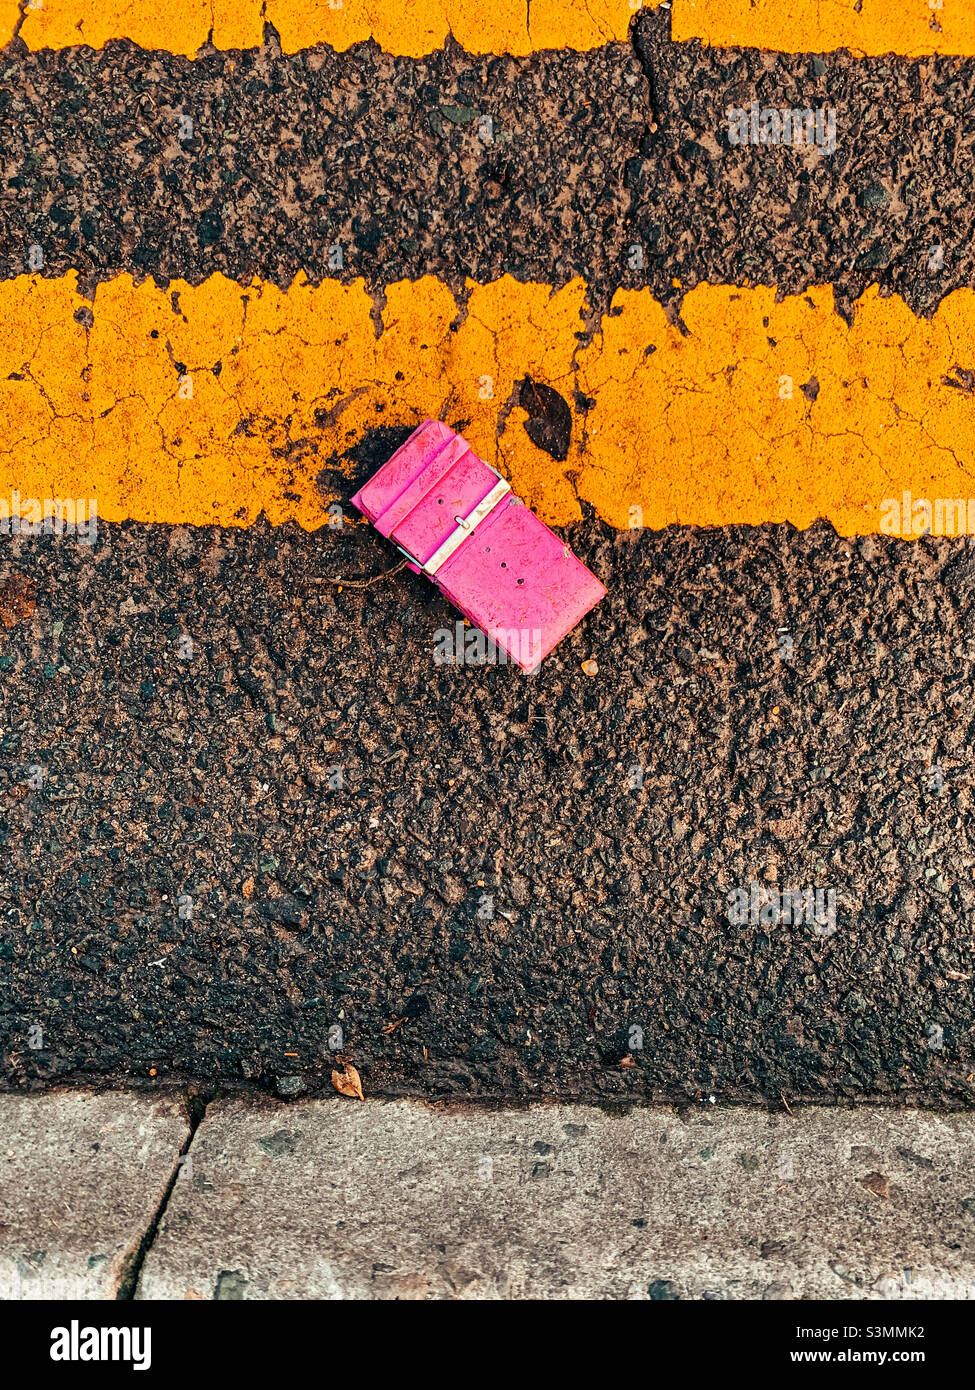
(249, 826)
(614, 165)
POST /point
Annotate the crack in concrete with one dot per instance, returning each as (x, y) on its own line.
(134, 1261)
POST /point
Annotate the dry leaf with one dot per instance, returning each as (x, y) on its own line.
(248, 888)
(16, 600)
(590, 667)
(878, 1183)
(627, 1061)
(347, 1082)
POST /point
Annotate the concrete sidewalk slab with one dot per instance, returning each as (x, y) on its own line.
(399, 1200)
(82, 1177)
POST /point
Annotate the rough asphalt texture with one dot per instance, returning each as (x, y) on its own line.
(591, 155)
(215, 850)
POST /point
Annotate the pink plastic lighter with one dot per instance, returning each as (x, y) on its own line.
(456, 520)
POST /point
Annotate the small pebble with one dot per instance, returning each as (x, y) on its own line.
(290, 1085)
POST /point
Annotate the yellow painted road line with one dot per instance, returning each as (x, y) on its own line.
(412, 28)
(211, 404)
(912, 28)
(409, 28)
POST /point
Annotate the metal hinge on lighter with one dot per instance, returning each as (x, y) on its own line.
(457, 520)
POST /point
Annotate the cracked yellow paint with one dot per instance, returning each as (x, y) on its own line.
(912, 28)
(409, 28)
(412, 28)
(770, 411)
(212, 404)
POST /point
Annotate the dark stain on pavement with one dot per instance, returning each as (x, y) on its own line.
(549, 423)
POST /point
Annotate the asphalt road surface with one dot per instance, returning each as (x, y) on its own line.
(546, 167)
(251, 830)
(243, 806)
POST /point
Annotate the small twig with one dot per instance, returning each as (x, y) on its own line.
(362, 583)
